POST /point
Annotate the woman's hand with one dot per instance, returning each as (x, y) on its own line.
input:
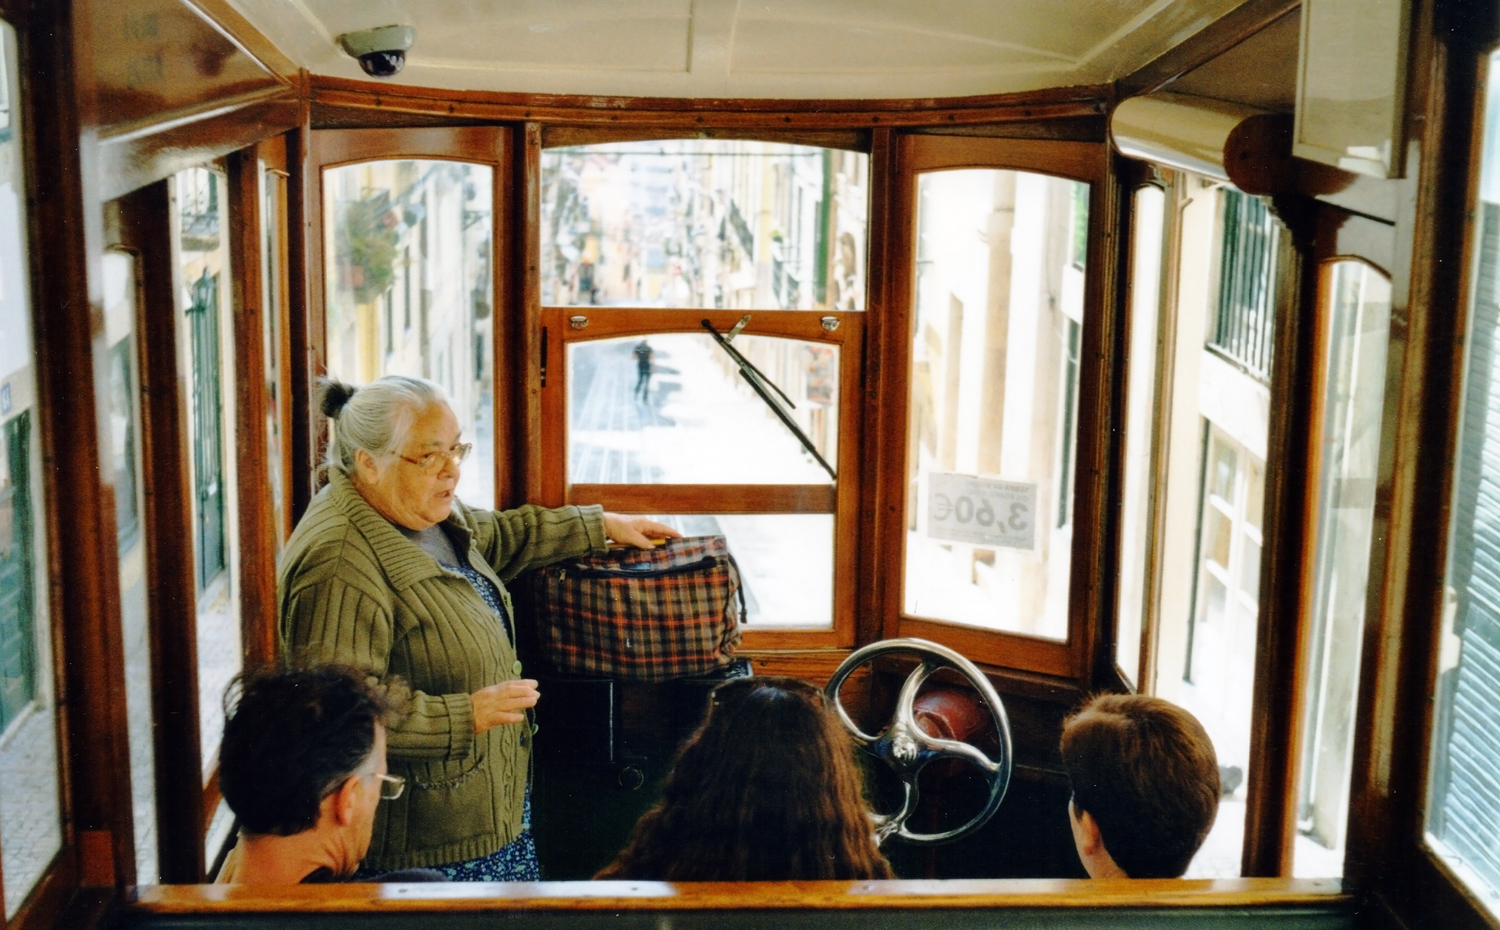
(503, 703)
(636, 531)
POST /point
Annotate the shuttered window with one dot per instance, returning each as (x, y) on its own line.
(1463, 813)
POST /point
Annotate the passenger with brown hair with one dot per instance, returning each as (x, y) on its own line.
(766, 790)
(1145, 786)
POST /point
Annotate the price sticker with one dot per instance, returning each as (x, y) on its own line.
(984, 511)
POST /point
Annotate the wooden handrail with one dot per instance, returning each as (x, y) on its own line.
(658, 896)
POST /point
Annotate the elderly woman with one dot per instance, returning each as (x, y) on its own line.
(388, 571)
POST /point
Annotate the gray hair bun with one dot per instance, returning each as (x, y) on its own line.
(333, 395)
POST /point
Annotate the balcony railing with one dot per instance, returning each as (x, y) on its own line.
(1244, 329)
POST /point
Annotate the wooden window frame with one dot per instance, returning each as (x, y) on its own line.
(491, 146)
(1152, 539)
(841, 499)
(1395, 685)
(1090, 614)
(1387, 850)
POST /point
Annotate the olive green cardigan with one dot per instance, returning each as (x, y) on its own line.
(353, 589)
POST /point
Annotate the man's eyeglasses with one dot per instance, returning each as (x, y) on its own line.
(433, 462)
(391, 786)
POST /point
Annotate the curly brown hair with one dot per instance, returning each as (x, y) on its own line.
(765, 790)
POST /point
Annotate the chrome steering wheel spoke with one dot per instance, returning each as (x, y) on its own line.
(906, 749)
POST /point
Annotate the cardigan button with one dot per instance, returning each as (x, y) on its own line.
(515, 668)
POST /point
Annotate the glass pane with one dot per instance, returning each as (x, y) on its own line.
(1463, 810)
(704, 223)
(30, 818)
(1250, 569)
(673, 409)
(1140, 421)
(1358, 324)
(205, 328)
(1214, 432)
(273, 289)
(1255, 506)
(1221, 471)
(994, 383)
(409, 248)
(785, 562)
(120, 308)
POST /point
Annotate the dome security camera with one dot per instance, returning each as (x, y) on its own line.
(381, 51)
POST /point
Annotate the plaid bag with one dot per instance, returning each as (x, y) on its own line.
(649, 615)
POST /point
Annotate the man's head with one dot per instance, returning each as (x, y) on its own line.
(305, 750)
(1145, 785)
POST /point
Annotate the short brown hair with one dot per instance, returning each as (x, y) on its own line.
(1145, 770)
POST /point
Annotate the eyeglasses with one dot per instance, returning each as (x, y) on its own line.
(391, 786)
(433, 462)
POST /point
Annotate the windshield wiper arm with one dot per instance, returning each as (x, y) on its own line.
(759, 383)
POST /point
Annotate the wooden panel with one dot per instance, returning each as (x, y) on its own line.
(1208, 43)
(706, 498)
(145, 227)
(508, 242)
(77, 511)
(530, 337)
(1436, 238)
(135, 159)
(991, 647)
(814, 665)
(259, 537)
(305, 330)
(227, 17)
(159, 59)
(398, 101)
(606, 322)
(622, 896)
(468, 143)
(1098, 470)
(1082, 160)
(854, 140)
(1271, 792)
(1068, 129)
(881, 402)
(892, 277)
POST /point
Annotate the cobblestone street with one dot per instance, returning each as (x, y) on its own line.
(30, 826)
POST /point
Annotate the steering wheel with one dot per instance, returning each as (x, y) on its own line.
(907, 749)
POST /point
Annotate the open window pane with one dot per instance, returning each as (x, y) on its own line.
(673, 408)
(121, 289)
(994, 395)
(205, 332)
(704, 223)
(1357, 311)
(30, 817)
(409, 270)
(1140, 424)
(1211, 492)
(1463, 810)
